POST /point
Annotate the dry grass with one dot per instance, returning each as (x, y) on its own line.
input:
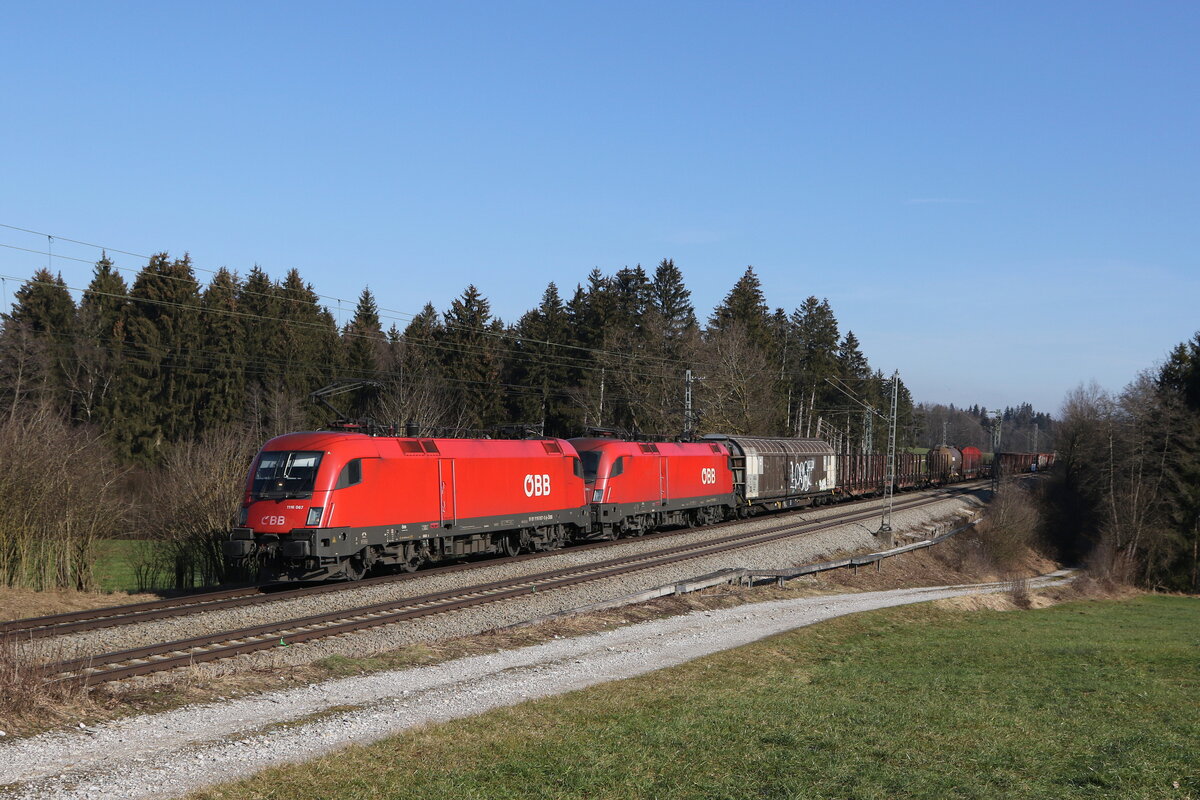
(21, 603)
(962, 559)
(959, 560)
(29, 702)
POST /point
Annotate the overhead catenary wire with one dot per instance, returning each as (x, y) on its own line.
(461, 347)
(510, 337)
(564, 355)
(507, 335)
(447, 347)
(260, 365)
(385, 313)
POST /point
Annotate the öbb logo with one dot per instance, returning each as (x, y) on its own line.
(708, 475)
(537, 485)
(272, 520)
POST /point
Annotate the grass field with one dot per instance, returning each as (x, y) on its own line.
(115, 561)
(1084, 700)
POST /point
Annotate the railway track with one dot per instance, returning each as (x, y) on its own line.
(160, 657)
(133, 613)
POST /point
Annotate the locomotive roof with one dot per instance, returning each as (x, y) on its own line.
(763, 445)
(623, 446)
(427, 445)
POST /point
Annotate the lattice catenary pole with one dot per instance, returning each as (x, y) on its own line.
(890, 487)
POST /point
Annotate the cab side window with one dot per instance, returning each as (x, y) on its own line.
(350, 474)
(618, 467)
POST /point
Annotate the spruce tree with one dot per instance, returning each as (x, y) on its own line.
(852, 364)
(100, 321)
(418, 392)
(472, 359)
(362, 338)
(816, 349)
(632, 296)
(543, 366)
(223, 361)
(40, 332)
(673, 301)
(365, 350)
(162, 390)
(44, 305)
(1177, 386)
(745, 306)
(311, 356)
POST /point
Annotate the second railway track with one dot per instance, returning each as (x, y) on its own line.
(167, 608)
(179, 653)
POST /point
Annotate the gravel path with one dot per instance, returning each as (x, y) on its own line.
(168, 754)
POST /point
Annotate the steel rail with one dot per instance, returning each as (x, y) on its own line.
(154, 658)
(133, 613)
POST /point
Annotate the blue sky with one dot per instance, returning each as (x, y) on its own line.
(1001, 200)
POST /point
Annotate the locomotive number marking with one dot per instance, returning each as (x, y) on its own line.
(708, 475)
(537, 485)
(270, 520)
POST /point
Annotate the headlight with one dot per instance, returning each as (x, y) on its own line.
(597, 495)
(243, 515)
(314, 515)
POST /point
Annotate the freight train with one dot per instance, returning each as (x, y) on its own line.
(335, 505)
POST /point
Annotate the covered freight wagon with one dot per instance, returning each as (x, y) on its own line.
(774, 473)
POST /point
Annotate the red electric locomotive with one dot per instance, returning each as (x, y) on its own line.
(634, 487)
(334, 504)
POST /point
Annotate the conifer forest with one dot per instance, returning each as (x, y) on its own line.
(136, 411)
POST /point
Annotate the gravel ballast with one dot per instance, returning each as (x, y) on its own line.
(171, 753)
(465, 622)
(845, 537)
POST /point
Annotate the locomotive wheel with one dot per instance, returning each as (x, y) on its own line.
(512, 544)
(355, 567)
(413, 559)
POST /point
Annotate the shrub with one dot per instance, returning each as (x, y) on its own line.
(59, 495)
(1011, 526)
(189, 505)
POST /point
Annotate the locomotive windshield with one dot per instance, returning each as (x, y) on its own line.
(591, 464)
(285, 474)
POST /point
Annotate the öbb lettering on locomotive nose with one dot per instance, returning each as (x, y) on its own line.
(537, 485)
(388, 502)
